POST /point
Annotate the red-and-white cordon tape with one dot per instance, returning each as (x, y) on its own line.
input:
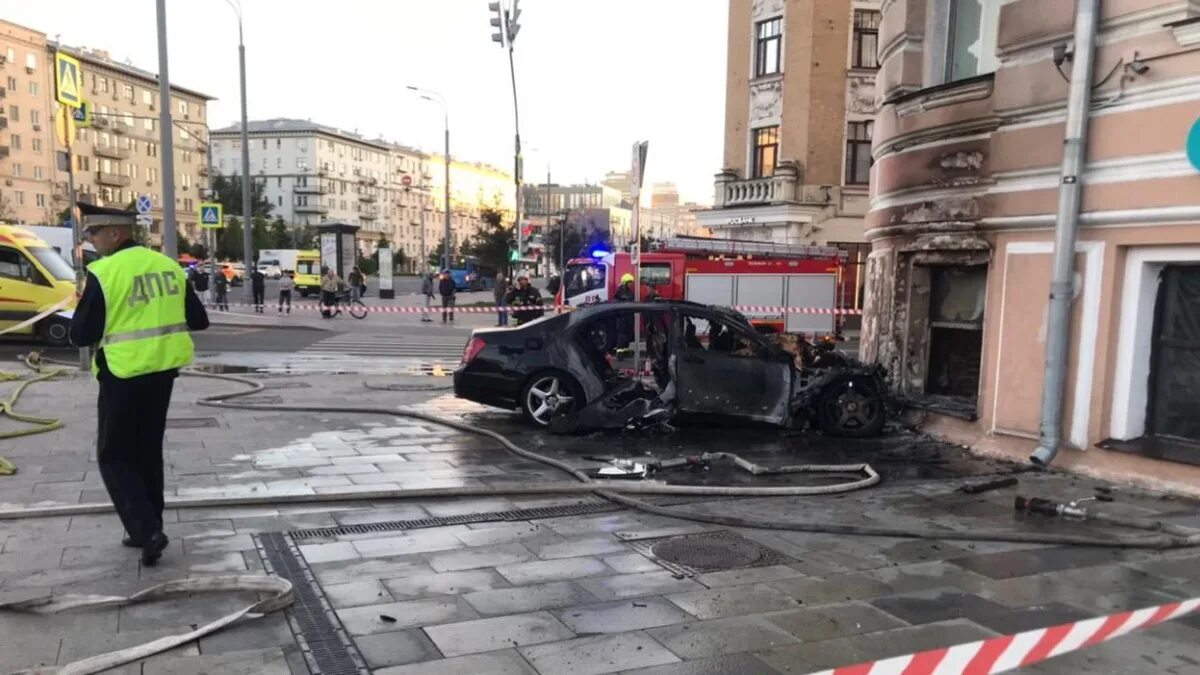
(1006, 652)
(420, 309)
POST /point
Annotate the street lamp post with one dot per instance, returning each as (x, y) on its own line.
(247, 215)
(434, 97)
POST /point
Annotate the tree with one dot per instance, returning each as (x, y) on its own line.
(306, 237)
(435, 254)
(228, 191)
(493, 242)
(261, 235)
(181, 243)
(229, 240)
(279, 236)
(64, 216)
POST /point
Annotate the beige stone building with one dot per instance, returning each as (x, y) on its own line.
(118, 158)
(799, 104)
(28, 193)
(968, 146)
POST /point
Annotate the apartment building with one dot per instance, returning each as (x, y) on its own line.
(28, 193)
(800, 99)
(118, 158)
(968, 147)
(474, 186)
(312, 173)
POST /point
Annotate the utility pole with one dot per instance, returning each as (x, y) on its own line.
(166, 135)
(247, 208)
(547, 234)
(507, 22)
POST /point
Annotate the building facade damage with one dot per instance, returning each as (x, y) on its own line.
(968, 141)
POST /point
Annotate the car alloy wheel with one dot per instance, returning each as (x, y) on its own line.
(546, 397)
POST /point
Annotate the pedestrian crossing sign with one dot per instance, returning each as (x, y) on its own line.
(210, 216)
(68, 80)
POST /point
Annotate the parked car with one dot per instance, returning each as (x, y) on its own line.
(723, 368)
(270, 270)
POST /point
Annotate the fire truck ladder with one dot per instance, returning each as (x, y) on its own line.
(739, 247)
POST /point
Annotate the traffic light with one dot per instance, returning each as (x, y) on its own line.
(497, 22)
(513, 255)
(513, 25)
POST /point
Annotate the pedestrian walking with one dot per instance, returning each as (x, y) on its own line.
(447, 289)
(136, 311)
(330, 285)
(221, 285)
(427, 290)
(500, 293)
(200, 285)
(526, 301)
(258, 286)
(287, 283)
(355, 279)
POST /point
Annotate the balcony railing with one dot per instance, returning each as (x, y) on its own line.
(366, 197)
(100, 121)
(112, 179)
(311, 208)
(310, 189)
(778, 188)
(111, 151)
(368, 212)
(121, 127)
(3, 122)
(3, 151)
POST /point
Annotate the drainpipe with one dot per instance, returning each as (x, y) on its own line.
(1058, 328)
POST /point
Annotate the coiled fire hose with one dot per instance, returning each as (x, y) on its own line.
(41, 425)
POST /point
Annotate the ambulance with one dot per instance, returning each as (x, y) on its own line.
(37, 287)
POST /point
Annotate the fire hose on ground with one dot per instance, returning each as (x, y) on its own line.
(1169, 536)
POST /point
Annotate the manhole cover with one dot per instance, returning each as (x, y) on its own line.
(708, 553)
(692, 554)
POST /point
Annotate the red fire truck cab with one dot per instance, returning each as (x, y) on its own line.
(764, 280)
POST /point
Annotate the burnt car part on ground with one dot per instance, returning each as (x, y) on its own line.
(703, 362)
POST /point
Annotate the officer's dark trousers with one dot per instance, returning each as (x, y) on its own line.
(132, 419)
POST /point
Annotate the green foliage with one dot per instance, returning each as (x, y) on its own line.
(493, 242)
(228, 191)
(229, 240)
(279, 235)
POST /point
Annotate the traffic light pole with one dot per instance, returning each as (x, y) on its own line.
(516, 157)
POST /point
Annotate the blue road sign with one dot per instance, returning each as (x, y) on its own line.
(143, 204)
(1193, 145)
(211, 216)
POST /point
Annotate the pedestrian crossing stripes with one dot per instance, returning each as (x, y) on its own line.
(447, 350)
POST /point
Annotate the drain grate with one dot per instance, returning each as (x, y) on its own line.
(191, 422)
(581, 509)
(327, 648)
(693, 554)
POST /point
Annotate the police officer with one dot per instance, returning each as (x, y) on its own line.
(136, 311)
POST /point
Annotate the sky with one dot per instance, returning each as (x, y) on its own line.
(593, 76)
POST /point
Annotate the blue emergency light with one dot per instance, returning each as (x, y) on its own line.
(599, 253)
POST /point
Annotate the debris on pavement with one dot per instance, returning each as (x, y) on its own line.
(987, 486)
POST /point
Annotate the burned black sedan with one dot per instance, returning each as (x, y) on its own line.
(699, 361)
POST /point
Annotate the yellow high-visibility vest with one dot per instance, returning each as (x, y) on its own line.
(145, 327)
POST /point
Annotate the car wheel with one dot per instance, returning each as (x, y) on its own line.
(55, 332)
(548, 395)
(851, 408)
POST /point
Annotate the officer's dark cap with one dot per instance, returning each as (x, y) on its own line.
(102, 216)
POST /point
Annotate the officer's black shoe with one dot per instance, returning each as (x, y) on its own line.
(130, 542)
(152, 550)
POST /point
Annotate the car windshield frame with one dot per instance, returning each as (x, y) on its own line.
(53, 262)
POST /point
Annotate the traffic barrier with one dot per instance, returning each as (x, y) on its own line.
(1007, 652)
(492, 309)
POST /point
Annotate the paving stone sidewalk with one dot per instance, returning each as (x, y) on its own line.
(570, 594)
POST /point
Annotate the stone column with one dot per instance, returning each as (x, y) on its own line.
(720, 185)
(787, 175)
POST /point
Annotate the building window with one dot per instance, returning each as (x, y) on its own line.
(16, 170)
(278, 162)
(152, 149)
(858, 152)
(955, 330)
(31, 60)
(14, 113)
(33, 88)
(39, 173)
(183, 108)
(20, 198)
(12, 84)
(866, 39)
(11, 55)
(41, 200)
(147, 97)
(302, 163)
(15, 141)
(971, 48)
(148, 124)
(766, 151)
(768, 47)
(102, 84)
(35, 117)
(127, 90)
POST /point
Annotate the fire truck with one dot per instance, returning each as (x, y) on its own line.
(763, 279)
